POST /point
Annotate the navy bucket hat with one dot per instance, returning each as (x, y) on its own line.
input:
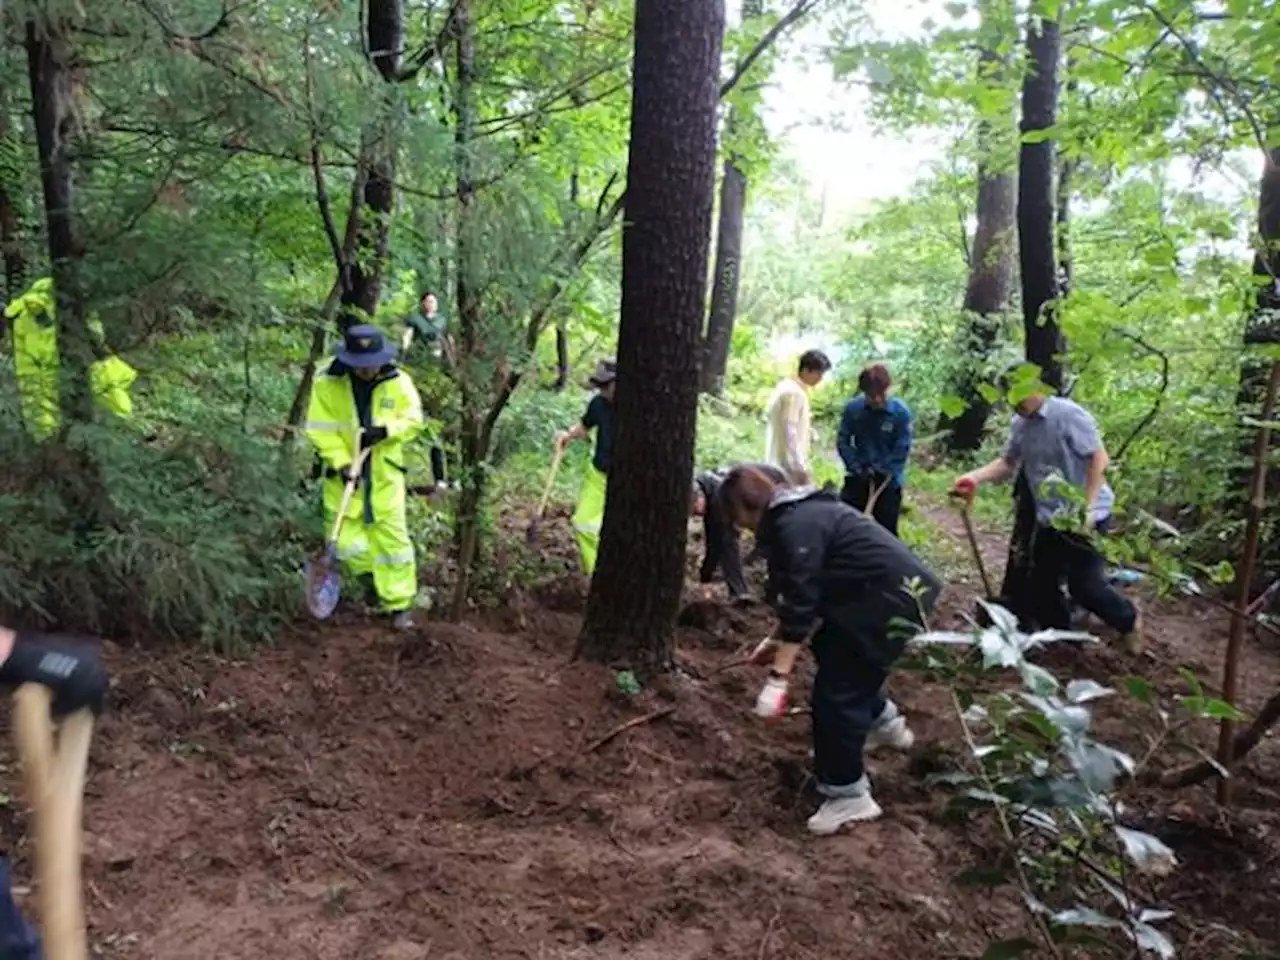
(365, 346)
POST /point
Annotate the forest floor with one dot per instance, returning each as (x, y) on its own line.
(352, 793)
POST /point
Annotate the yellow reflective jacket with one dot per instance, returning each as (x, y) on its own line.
(333, 425)
(36, 360)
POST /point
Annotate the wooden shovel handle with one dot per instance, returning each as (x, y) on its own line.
(348, 492)
(55, 787)
(556, 457)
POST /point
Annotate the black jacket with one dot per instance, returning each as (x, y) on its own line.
(830, 563)
(720, 535)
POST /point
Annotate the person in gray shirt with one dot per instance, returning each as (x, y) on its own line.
(1055, 444)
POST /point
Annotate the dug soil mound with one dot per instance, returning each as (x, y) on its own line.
(467, 792)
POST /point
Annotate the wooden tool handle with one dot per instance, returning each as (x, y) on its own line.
(348, 492)
(55, 787)
(977, 551)
(551, 479)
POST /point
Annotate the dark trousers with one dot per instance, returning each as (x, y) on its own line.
(847, 701)
(437, 465)
(18, 939)
(1056, 556)
(857, 491)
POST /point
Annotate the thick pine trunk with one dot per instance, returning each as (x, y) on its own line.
(635, 593)
(991, 268)
(1036, 249)
(728, 271)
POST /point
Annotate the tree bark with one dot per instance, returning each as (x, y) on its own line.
(724, 290)
(1038, 262)
(472, 440)
(991, 266)
(49, 64)
(727, 271)
(635, 593)
(1262, 327)
(1036, 249)
(562, 355)
(361, 276)
(15, 265)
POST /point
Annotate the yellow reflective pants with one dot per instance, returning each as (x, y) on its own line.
(588, 517)
(381, 548)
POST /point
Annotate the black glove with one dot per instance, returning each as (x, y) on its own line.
(372, 436)
(70, 669)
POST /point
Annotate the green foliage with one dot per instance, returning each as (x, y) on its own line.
(1034, 767)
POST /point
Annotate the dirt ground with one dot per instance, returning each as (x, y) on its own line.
(450, 794)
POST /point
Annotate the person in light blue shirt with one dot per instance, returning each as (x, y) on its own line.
(874, 442)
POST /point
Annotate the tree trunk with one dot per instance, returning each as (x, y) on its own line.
(1038, 262)
(15, 266)
(990, 285)
(363, 282)
(724, 290)
(1036, 249)
(470, 381)
(635, 593)
(49, 63)
(562, 354)
(727, 271)
(362, 286)
(1263, 324)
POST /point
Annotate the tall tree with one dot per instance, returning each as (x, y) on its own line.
(1037, 251)
(991, 257)
(727, 271)
(1038, 261)
(635, 594)
(49, 61)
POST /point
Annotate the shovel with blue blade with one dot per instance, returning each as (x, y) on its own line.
(324, 581)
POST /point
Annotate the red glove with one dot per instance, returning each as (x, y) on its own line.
(772, 700)
(964, 489)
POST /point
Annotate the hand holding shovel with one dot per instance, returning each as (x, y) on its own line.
(531, 534)
(324, 582)
(963, 492)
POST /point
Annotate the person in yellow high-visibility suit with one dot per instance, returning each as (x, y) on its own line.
(365, 401)
(588, 517)
(33, 317)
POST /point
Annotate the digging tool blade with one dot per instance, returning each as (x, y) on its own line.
(324, 583)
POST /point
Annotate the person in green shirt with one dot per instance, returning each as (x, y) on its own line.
(426, 341)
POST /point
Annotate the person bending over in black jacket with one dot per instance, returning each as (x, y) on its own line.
(838, 580)
(720, 536)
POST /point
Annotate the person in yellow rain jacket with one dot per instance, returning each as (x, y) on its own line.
(365, 402)
(33, 317)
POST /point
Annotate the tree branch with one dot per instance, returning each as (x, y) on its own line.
(1193, 55)
(432, 50)
(1164, 386)
(792, 16)
(317, 164)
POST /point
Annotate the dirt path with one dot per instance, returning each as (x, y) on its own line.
(351, 793)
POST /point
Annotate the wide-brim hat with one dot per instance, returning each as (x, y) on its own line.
(365, 345)
(605, 373)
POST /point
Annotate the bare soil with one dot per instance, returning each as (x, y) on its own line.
(353, 793)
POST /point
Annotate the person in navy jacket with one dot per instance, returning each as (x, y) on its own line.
(874, 442)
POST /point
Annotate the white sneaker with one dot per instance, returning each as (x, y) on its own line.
(403, 621)
(895, 735)
(839, 811)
